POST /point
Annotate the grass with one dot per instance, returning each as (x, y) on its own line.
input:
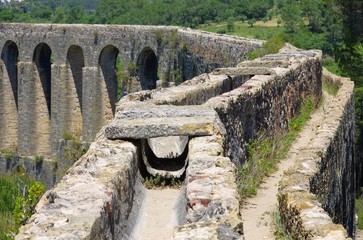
(359, 209)
(264, 153)
(330, 64)
(279, 232)
(155, 182)
(260, 30)
(11, 187)
(331, 88)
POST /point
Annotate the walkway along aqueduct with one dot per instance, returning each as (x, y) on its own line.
(62, 78)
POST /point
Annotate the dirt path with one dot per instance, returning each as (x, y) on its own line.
(158, 215)
(255, 212)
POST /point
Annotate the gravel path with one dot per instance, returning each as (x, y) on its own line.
(256, 211)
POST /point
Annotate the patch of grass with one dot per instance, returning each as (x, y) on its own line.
(154, 182)
(264, 153)
(279, 232)
(331, 87)
(12, 188)
(9, 153)
(330, 64)
(272, 46)
(67, 136)
(39, 160)
(359, 211)
(74, 150)
(260, 30)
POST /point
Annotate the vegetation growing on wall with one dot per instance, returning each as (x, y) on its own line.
(264, 153)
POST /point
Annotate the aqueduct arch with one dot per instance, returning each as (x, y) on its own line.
(147, 68)
(108, 82)
(42, 90)
(73, 90)
(9, 96)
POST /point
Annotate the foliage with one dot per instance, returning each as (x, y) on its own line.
(161, 182)
(9, 153)
(359, 212)
(39, 160)
(230, 24)
(273, 45)
(260, 30)
(12, 187)
(24, 205)
(330, 64)
(279, 231)
(264, 152)
(73, 149)
(331, 87)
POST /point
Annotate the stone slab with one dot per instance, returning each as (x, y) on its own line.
(269, 64)
(161, 121)
(245, 71)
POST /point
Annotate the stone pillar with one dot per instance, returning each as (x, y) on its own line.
(26, 108)
(58, 105)
(8, 111)
(92, 103)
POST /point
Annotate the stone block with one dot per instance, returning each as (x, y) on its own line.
(161, 121)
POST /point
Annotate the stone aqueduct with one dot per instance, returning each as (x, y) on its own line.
(62, 78)
(57, 78)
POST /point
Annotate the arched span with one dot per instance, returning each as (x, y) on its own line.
(147, 69)
(73, 91)
(42, 60)
(9, 95)
(9, 55)
(41, 111)
(109, 85)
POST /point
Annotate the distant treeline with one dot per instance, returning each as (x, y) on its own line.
(156, 12)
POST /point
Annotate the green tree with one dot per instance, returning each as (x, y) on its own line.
(59, 15)
(230, 24)
(291, 15)
(74, 14)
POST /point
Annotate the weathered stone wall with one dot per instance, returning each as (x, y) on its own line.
(63, 77)
(266, 103)
(316, 197)
(95, 200)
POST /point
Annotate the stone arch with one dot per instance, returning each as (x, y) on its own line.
(42, 93)
(108, 84)
(9, 96)
(147, 69)
(73, 90)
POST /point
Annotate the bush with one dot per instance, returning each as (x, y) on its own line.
(25, 206)
(271, 46)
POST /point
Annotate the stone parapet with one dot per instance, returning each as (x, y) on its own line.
(316, 197)
(95, 200)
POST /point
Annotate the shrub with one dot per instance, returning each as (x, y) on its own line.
(39, 160)
(271, 46)
(24, 206)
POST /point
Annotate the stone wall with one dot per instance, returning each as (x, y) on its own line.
(265, 103)
(316, 197)
(62, 78)
(100, 195)
(211, 192)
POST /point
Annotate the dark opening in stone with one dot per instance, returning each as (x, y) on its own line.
(147, 69)
(165, 156)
